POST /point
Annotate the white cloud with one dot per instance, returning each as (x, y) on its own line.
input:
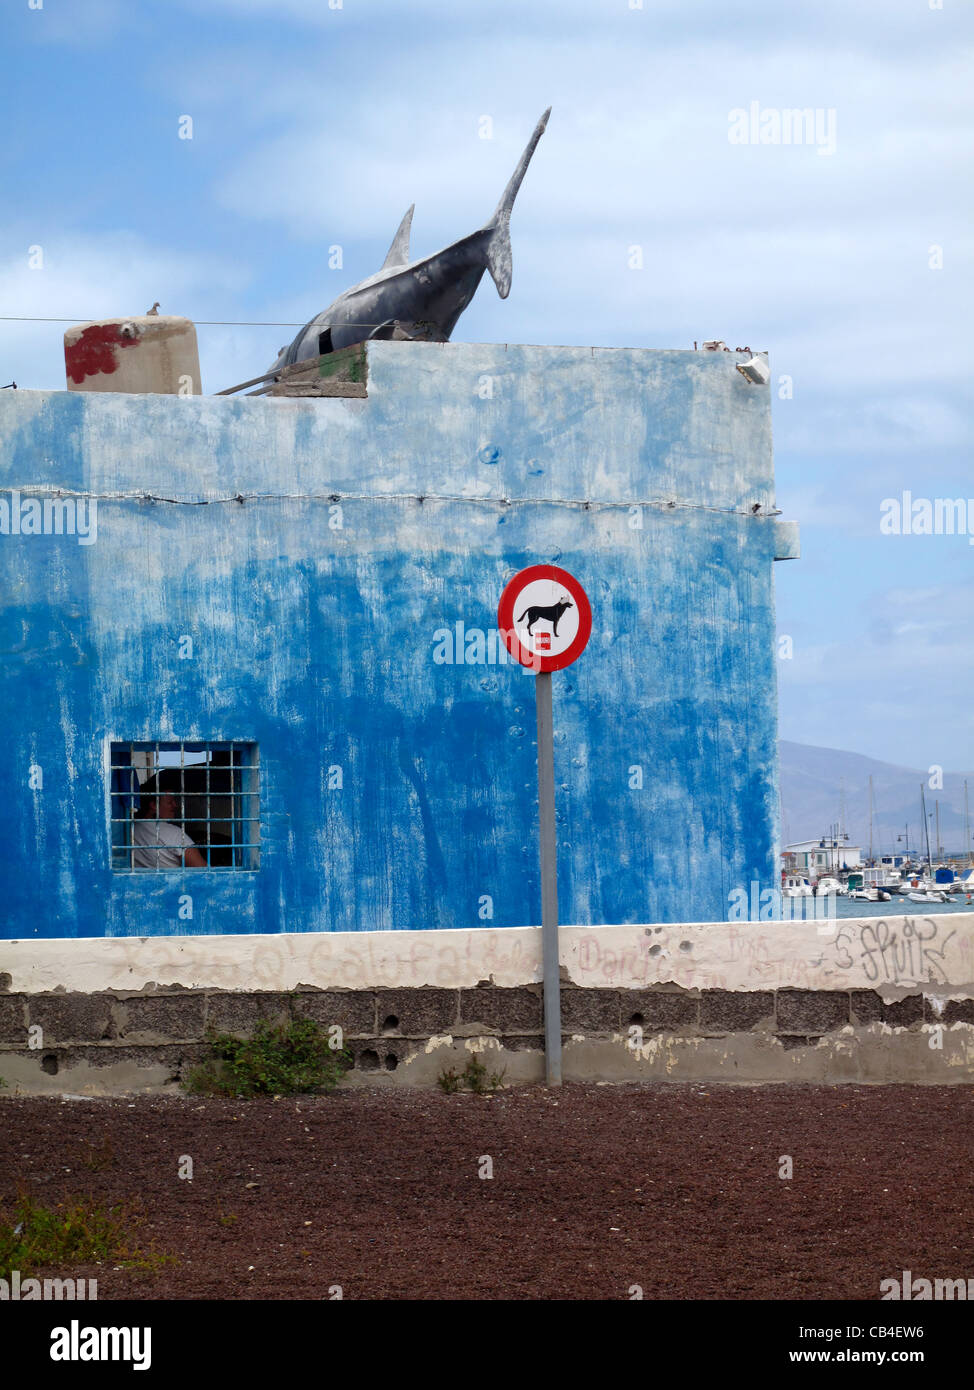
(617, 153)
(920, 638)
(890, 685)
(829, 25)
(894, 425)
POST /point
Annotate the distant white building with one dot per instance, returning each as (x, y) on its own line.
(817, 857)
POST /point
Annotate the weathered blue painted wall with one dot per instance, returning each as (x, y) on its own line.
(464, 464)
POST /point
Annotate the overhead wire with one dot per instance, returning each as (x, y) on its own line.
(205, 323)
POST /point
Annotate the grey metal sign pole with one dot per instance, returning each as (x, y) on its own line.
(549, 880)
(546, 620)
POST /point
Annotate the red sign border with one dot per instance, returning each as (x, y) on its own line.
(505, 618)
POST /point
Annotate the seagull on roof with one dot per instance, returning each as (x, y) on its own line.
(154, 311)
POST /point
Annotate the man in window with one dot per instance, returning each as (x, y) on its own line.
(158, 844)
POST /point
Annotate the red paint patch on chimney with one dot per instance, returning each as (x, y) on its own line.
(94, 352)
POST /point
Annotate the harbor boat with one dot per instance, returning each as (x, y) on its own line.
(881, 877)
(963, 886)
(830, 885)
(795, 886)
(928, 896)
(870, 895)
(921, 882)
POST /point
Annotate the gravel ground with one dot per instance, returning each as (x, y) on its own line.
(673, 1188)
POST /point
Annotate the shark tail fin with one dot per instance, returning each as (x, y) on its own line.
(499, 261)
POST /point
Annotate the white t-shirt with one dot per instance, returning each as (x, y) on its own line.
(168, 842)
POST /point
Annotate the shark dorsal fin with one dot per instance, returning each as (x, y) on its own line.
(398, 253)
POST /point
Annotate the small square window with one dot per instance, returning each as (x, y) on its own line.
(184, 805)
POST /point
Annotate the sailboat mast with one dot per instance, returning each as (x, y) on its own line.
(926, 823)
(939, 845)
(967, 826)
(841, 825)
(870, 819)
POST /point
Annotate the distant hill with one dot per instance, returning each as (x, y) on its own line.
(815, 780)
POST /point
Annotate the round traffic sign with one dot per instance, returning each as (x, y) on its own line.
(544, 618)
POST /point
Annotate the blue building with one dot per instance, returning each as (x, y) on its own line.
(295, 600)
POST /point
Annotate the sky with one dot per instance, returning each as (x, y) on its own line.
(315, 123)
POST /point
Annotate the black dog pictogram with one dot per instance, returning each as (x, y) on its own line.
(551, 614)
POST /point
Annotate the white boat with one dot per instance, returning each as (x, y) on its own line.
(920, 883)
(795, 886)
(830, 885)
(886, 879)
(925, 896)
(870, 895)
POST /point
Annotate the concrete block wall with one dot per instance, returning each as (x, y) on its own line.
(120, 1042)
(105, 1016)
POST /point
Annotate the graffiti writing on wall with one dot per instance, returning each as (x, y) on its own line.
(908, 948)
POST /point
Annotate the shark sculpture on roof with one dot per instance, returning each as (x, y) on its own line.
(417, 299)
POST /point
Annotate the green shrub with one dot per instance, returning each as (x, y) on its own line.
(74, 1231)
(474, 1076)
(280, 1059)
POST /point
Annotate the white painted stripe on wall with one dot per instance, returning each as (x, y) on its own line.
(893, 955)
